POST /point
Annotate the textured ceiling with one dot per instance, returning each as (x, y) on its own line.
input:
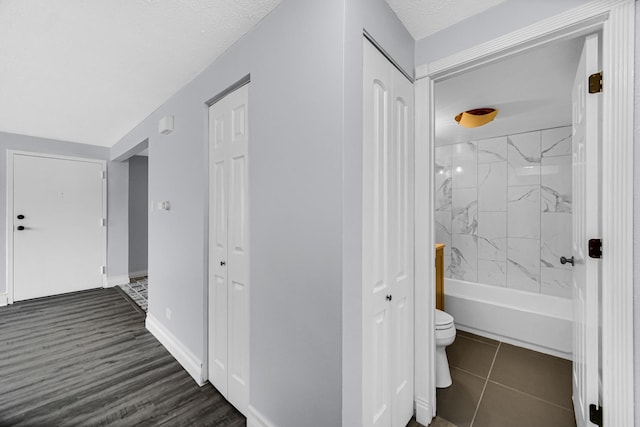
(532, 90)
(89, 71)
(425, 17)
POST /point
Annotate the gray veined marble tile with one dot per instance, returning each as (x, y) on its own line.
(556, 142)
(443, 234)
(557, 282)
(443, 196)
(492, 150)
(465, 211)
(492, 236)
(442, 178)
(555, 181)
(492, 272)
(523, 212)
(523, 156)
(555, 239)
(464, 257)
(492, 187)
(465, 165)
(523, 264)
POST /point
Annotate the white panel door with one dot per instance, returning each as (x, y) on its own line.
(229, 248)
(586, 225)
(387, 243)
(218, 198)
(58, 236)
(401, 248)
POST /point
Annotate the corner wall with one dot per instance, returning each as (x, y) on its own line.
(295, 59)
(383, 25)
(138, 214)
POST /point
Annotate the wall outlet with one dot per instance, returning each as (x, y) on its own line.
(167, 312)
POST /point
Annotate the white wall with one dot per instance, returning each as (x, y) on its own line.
(636, 223)
(379, 21)
(295, 60)
(499, 20)
(116, 198)
(305, 61)
(138, 213)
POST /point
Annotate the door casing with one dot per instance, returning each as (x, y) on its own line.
(616, 20)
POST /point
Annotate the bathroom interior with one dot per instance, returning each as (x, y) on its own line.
(503, 222)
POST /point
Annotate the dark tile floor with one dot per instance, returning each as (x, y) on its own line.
(500, 385)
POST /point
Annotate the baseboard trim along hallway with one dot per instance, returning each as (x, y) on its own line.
(256, 419)
(117, 280)
(182, 354)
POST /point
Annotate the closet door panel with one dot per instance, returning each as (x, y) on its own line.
(401, 243)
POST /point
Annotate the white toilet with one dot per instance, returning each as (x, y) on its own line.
(445, 335)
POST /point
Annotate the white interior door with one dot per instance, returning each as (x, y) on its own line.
(387, 243)
(58, 234)
(586, 225)
(229, 247)
(401, 249)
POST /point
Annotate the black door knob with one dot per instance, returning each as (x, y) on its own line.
(222, 263)
(389, 297)
(565, 260)
(20, 216)
(20, 227)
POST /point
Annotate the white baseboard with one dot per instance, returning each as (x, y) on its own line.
(424, 412)
(182, 354)
(133, 274)
(4, 299)
(256, 419)
(112, 281)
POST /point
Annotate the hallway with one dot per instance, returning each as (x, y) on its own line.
(86, 358)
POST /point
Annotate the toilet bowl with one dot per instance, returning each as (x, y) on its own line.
(445, 335)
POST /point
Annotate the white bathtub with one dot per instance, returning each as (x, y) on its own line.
(538, 322)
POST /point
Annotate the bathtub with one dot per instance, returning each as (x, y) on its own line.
(539, 322)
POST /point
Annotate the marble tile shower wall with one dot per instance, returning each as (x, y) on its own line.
(503, 210)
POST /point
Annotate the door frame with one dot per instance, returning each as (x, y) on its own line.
(616, 20)
(9, 212)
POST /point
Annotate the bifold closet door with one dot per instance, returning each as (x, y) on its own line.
(229, 247)
(388, 277)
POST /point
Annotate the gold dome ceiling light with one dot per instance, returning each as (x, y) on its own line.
(476, 117)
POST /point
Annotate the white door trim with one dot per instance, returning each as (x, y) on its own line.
(9, 211)
(616, 20)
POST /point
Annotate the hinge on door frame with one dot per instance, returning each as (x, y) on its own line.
(103, 222)
(103, 269)
(595, 248)
(104, 174)
(595, 414)
(595, 83)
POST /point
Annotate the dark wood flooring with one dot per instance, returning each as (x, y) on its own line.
(86, 359)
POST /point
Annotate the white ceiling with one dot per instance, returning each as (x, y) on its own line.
(425, 17)
(90, 70)
(532, 91)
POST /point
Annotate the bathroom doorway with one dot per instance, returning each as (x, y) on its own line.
(616, 169)
(615, 22)
(504, 207)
